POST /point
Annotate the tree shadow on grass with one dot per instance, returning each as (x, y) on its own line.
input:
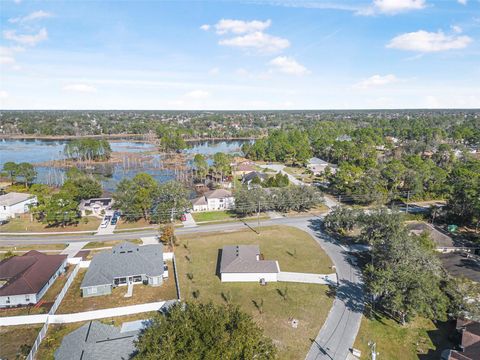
(219, 260)
(443, 337)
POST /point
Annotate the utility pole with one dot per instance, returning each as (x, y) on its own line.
(258, 214)
(373, 348)
(408, 199)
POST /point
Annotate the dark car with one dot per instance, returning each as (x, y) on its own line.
(114, 221)
(117, 213)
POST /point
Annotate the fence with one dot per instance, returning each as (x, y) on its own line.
(38, 341)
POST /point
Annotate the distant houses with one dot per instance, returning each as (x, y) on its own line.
(254, 177)
(124, 264)
(317, 166)
(245, 263)
(13, 204)
(214, 200)
(95, 206)
(25, 279)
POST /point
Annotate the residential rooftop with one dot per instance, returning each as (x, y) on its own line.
(462, 265)
(245, 259)
(13, 198)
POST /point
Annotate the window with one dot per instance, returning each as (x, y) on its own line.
(93, 290)
(27, 298)
(8, 300)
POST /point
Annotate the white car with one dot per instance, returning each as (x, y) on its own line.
(105, 222)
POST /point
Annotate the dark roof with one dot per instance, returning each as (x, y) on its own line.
(462, 265)
(438, 237)
(28, 274)
(126, 259)
(254, 174)
(97, 341)
(245, 259)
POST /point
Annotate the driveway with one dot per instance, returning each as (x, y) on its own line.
(323, 279)
(189, 221)
(73, 248)
(279, 168)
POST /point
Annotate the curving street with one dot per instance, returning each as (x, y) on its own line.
(338, 333)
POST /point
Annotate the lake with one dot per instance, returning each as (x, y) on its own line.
(37, 151)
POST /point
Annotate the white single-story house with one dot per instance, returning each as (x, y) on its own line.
(244, 263)
(214, 200)
(25, 279)
(13, 203)
(317, 166)
(124, 264)
(95, 206)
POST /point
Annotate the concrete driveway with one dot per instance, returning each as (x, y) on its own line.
(322, 279)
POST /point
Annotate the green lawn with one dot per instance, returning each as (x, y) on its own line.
(295, 250)
(24, 224)
(213, 216)
(419, 339)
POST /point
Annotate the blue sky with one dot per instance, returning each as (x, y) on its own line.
(226, 55)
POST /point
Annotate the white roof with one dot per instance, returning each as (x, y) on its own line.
(14, 198)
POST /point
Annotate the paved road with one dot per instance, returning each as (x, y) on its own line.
(338, 333)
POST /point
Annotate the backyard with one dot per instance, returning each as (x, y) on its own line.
(16, 341)
(272, 306)
(418, 339)
(74, 302)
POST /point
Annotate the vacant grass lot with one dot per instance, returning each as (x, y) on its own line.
(213, 216)
(24, 224)
(48, 298)
(122, 224)
(295, 250)
(419, 339)
(74, 302)
(56, 332)
(13, 338)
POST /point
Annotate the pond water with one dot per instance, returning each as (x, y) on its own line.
(36, 151)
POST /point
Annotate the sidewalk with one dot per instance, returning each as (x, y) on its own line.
(73, 248)
(323, 279)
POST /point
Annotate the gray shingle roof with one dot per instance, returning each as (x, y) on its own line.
(243, 259)
(97, 341)
(252, 175)
(439, 238)
(126, 259)
(13, 198)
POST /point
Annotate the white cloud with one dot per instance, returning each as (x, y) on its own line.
(463, 2)
(259, 41)
(205, 27)
(30, 17)
(17, 1)
(214, 71)
(7, 55)
(288, 65)
(457, 29)
(3, 94)
(424, 41)
(225, 26)
(398, 6)
(26, 39)
(198, 94)
(376, 80)
(83, 88)
(7, 60)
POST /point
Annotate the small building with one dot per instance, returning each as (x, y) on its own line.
(469, 347)
(245, 263)
(124, 264)
(462, 265)
(94, 340)
(25, 279)
(317, 166)
(95, 206)
(214, 200)
(255, 177)
(13, 204)
(443, 242)
(242, 168)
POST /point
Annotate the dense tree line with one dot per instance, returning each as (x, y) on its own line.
(88, 149)
(292, 198)
(24, 172)
(143, 197)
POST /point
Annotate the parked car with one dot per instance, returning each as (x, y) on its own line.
(117, 213)
(114, 221)
(104, 223)
(183, 217)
